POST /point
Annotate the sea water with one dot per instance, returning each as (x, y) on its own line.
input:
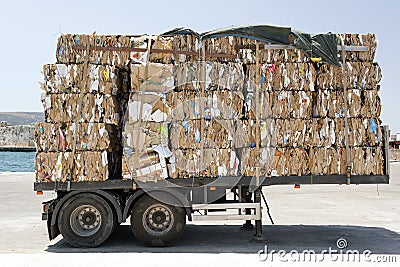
(16, 161)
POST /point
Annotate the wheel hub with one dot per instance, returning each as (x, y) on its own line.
(85, 220)
(158, 219)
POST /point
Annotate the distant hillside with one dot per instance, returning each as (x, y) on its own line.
(21, 118)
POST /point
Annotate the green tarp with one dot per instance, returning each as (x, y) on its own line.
(322, 46)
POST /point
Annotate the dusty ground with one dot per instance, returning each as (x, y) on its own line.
(313, 217)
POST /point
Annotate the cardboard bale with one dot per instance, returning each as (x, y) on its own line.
(325, 161)
(216, 162)
(89, 108)
(283, 55)
(68, 53)
(185, 105)
(361, 103)
(284, 76)
(324, 132)
(355, 39)
(78, 167)
(185, 42)
(359, 75)
(162, 43)
(221, 104)
(363, 160)
(283, 104)
(159, 77)
(190, 75)
(146, 166)
(142, 136)
(275, 162)
(76, 78)
(55, 137)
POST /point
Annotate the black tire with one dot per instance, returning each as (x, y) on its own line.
(171, 219)
(86, 220)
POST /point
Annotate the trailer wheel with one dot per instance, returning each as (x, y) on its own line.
(157, 224)
(86, 220)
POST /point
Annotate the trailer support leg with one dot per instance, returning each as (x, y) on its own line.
(258, 236)
(246, 197)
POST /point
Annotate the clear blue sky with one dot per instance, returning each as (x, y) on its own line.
(29, 31)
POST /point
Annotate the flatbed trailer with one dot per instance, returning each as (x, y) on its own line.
(158, 210)
(86, 213)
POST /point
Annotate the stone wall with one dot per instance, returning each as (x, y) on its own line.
(17, 136)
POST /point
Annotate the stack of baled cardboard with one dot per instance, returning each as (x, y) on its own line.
(207, 108)
(80, 139)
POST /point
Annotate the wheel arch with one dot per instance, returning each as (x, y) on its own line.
(168, 196)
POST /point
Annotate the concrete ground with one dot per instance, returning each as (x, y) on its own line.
(313, 217)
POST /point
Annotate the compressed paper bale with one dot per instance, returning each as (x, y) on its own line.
(325, 132)
(363, 161)
(328, 103)
(151, 106)
(286, 104)
(89, 108)
(186, 42)
(78, 167)
(325, 161)
(67, 53)
(186, 76)
(267, 133)
(363, 75)
(285, 76)
(190, 75)
(45, 166)
(145, 165)
(361, 103)
(186, 134)
(140, 137)
(322, 132)
(187, 162)
(221, 104)
(244, 134)
(225, 76)
(368, 40)
(213, 134)
(362, 132)
(159, 77)
(216, 162)
(281, 104)
(359, 75)
(75, 78)
(222, 45)
(275, 161)
(294, 132)
(85, 136)
(162, 43)
(172, 171)
(186, 105)
(283, 55)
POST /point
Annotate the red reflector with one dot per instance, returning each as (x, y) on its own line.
(297, 186)
(39, 193)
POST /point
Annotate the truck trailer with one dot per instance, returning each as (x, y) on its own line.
(200, 117)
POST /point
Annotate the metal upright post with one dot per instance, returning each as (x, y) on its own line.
(258, 236)
(257, 195)
(346, 123)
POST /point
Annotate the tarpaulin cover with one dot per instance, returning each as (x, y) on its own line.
(178, 31)
(319, 45)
